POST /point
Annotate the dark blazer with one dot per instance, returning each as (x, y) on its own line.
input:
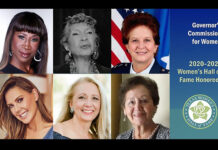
(66, 69)
(161, 133)
(125, 68)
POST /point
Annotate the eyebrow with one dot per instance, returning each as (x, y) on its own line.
(89, 28)
(139, 97)
(91, 94)
(24, 33)
(96, 95)
(16, 99)
(143, 37)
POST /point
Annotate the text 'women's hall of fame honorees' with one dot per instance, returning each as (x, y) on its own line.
(194, 73)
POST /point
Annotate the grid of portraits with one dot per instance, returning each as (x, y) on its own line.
(84, 74)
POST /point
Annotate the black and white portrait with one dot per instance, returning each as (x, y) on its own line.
(82, 40)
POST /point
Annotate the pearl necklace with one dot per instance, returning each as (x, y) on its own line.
(133, 133)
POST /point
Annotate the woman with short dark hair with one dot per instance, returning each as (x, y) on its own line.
(139, 100)
(140, 35)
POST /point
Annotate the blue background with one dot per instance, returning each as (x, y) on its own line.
(181, 52)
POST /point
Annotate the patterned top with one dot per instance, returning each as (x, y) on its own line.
(161, 133)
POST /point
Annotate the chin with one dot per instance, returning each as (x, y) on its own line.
(26, 121)
(88, 118)
(139, 122)
(25, 60)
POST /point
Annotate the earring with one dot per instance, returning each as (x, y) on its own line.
(69, 53)
(10, 53)
(40, 55)
(71, 110)
(124, 119)
(68, 58)
(95, 55)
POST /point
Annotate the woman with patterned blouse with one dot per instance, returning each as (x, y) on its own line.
(139, 99)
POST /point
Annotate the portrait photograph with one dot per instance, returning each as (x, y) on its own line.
(140, 103)
(26, 110)
(82, 41)
(140, 41)
(27, 41)
(82, 106)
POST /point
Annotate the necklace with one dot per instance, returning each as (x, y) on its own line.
(93, 68)
(150, 136)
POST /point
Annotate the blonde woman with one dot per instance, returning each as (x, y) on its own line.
(86, 112)
(22, 111)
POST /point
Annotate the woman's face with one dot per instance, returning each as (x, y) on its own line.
(24, 46)
(22, 104)
(141, 44)
(81, 40)
(86, 101)
(139, 107)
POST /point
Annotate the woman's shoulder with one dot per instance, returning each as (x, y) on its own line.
(11, 69)
(58, 127)
(57, 135)
(125, 135)
(49, 134)
(157, 68)
(58, 131)
(163, 132)
(121, 68)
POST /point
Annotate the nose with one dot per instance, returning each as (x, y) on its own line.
(84, 37)
(88, 103)
(138, 105)
(141, 45)
(27, 44)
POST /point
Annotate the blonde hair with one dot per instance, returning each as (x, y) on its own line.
(15, 128)
(100, 125)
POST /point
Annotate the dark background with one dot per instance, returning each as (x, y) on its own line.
(103, 29)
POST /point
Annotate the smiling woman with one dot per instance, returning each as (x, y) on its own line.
(26, 45)
(140, 35)
(139, 98)
(84, 115)
(23, 113)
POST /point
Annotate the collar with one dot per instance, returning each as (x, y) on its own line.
(146, 71)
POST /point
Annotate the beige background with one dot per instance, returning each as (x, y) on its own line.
(43, 83)
(162, 115)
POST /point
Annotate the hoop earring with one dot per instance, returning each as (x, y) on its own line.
(40, 55)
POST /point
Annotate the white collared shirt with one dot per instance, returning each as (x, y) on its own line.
(146, 71)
